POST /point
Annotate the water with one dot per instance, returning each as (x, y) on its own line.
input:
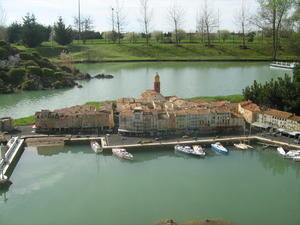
(184, 79)
(73, 186)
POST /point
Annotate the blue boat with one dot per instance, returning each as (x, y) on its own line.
(219, 148)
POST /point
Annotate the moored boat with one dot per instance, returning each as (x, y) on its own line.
(296, 158)
(197, 151)
(96, 147)
(219, 148)
(240, 146)
(281, 151)
(122, 153)
(292, 154)
(284, 65)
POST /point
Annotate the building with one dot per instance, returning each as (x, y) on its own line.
(249, 111)
(6, 124)
(76, 119)
(154, 114)
(279, 119)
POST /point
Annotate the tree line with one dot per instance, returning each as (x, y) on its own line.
(282, 93)
(273, 18)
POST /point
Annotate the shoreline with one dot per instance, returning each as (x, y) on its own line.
(175, 60)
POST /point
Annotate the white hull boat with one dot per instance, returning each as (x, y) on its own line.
(122, 153)
(281, 151)
(219, 148)
(240, 146)
(195, 151)
(283, 65)
(96, 147)
(296, 158)
(292, 154)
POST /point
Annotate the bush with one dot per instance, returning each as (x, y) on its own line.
(48, 72)
(26, 56)
(58, 84)
(59, 74)
(16, 75)
(28, 63)
(3, 53)
(34, 70)
(28, 85)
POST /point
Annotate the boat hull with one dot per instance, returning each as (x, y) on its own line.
(216, 148)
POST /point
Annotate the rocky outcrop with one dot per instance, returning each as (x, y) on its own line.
(103, 76)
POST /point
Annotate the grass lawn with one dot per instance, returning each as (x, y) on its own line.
(30, 120)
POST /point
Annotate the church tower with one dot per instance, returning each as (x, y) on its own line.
(157, 83)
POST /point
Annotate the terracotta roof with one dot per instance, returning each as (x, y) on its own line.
(199, 101)
(295, 118)
(219, 103)
(277, 113)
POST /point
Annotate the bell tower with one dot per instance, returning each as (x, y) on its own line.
(157, 83)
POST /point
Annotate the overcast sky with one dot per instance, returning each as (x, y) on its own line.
(47, 11)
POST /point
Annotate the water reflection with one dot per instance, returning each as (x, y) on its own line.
(271, 161)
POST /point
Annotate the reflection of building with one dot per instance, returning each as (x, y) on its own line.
(154, 114)
(76, 119)
(6, 124)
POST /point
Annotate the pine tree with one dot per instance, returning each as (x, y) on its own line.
(62, 35)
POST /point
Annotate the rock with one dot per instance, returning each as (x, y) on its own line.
(166, 222)
(207, 222)
(103, 76)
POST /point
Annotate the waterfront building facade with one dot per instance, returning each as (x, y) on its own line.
(76, 119)
(154, 114)
(249, 111)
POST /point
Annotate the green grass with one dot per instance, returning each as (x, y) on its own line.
(99, 50)
(30, 120)
(96, 104)
(231, 98)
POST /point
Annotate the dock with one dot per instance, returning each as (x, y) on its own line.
(10, 159)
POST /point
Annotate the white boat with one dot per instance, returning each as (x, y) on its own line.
(219, 148)
(296, 158)
(96, 147)
(292, 154)
(281, 151)
(195, 151)
(240, 146)
(198, 150)
(122, 153)
(284, 65)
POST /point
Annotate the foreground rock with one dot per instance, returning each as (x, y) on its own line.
(197, 222)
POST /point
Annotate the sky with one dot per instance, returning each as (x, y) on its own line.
(47, 12)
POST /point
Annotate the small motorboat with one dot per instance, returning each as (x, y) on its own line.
(198, 150)
(195, 151)
(284, 65)
(96, 147)
(240, 146)
(219, 148)
(281, 151)
(296, 158)
(122, 153)
(292, 154)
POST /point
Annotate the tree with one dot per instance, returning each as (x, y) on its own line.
(146, 14)
(132, 37)
(271, 14)
(208, 21)
(242, 20)
(157, 35)
(181, 34)
(14, 33)
(87, 26)
(294, 43)
(224, 34)
(176, 15)
(120, 20)
(62, 35)
(33, 34)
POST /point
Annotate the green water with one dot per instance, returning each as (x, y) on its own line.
(184, 79)
(76, 187)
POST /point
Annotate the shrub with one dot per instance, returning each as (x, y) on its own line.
(59, 74)
(28, 85)
(58, 84)
(34, 70)
(3, 53)
(26, 56)
(48, 72)
(16, 75)
(28, 63)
